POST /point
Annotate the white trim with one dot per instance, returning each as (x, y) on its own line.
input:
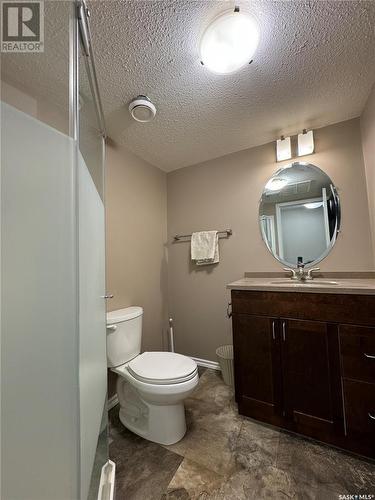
(206, 363)
(112, 402)
(264, 220)
(107, 481)
(279, 231)
(326, 220)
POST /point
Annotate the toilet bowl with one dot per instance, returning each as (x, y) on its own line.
(152, 386)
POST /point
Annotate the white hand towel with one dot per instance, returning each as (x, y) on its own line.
(205, 247)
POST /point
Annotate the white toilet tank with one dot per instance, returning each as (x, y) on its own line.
(124, 335)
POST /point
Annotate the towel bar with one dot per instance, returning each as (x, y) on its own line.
(223, 234)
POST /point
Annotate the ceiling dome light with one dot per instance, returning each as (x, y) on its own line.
(229, 42)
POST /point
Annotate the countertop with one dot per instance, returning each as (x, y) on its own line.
(358, 286)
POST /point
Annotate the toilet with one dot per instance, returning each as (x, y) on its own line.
(152, 386)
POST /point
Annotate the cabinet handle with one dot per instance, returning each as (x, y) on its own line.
(273, 331)
(284, 332)
(369, 356)
(371, 416)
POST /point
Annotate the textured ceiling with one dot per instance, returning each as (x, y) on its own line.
(315, 65)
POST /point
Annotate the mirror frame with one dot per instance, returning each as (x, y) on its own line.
(338, 219)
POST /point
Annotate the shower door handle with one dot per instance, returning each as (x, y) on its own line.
(107, 296)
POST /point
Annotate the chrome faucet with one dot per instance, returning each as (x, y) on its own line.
(309, 275)
(300, 274)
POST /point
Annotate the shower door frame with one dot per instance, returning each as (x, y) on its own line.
(81, 40)
(80, 32)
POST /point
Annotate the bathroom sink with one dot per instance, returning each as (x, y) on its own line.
(319, 283)
(288, 281)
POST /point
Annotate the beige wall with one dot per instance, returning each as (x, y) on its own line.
(224, 193)
(40, 109)
(136, 237)
(368, 145)
(217, 194)
(15, 97)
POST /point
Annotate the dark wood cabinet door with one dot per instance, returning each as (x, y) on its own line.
(257, 366)
(360, 414)
(311, 375)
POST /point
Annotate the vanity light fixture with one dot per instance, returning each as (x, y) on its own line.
(229, 42)
(305, 143)
(276, 184)
(314, 204)
(283, 149)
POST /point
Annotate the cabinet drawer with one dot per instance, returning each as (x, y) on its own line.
(332, 308)
(357, 347)
(360, 409)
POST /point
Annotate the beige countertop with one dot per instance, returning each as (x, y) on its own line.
(358, 286)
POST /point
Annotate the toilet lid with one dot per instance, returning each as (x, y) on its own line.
(124, 314)
(162, 368)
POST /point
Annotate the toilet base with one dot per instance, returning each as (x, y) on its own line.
(154, 412)
(160, 424)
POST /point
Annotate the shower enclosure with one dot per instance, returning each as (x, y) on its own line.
(53, 336)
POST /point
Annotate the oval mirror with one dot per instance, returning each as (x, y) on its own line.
(299, 215)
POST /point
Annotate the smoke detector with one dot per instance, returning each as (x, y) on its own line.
(142, 109)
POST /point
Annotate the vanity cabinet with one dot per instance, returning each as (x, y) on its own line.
(306, 362)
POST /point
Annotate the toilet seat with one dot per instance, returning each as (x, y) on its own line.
(162, 368)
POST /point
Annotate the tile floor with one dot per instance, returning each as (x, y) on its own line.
(227, 457)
